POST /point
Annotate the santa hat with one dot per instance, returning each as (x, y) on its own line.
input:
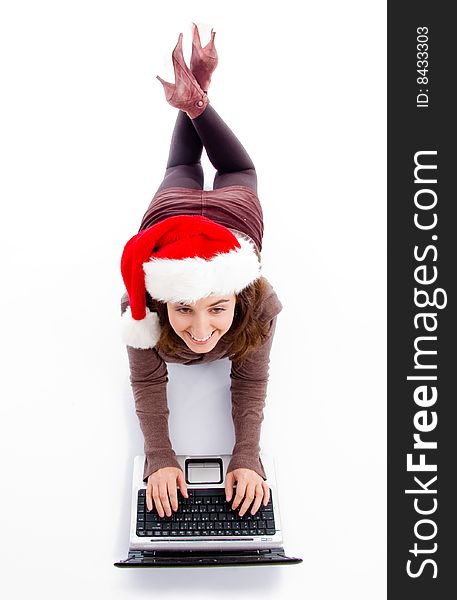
(181, 259)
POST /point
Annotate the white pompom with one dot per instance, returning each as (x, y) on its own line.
(140, 334)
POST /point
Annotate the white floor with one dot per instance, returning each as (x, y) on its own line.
(85, 135)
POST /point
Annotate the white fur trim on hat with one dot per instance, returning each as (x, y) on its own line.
(140, 334)
(189, 279)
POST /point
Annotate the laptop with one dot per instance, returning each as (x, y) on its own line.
(205, 530)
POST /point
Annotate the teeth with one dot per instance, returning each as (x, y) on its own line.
(203, 340)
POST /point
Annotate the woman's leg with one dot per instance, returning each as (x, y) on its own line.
(228, 156)
(184, 167)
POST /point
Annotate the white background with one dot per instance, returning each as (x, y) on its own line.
(85, 132)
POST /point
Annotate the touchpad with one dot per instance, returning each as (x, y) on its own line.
(203, 470)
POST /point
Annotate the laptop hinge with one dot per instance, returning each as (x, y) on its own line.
(157, 553)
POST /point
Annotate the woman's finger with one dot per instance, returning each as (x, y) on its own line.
(172, 492)
(240, 489)
(250, 493)
(156, 498)
(266, 495)
(163, 493)
(149, 497)
(258, 498)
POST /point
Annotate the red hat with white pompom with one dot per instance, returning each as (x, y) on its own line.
(181, 259)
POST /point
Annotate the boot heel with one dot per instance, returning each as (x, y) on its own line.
(185, 94)
(203, 60)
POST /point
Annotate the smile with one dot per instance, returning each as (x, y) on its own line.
(198, 341)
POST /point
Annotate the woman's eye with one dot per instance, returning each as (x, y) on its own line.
(184, 310)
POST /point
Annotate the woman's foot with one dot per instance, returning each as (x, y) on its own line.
(203, 61)
(185, 93)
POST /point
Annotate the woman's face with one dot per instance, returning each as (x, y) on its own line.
(208, 319)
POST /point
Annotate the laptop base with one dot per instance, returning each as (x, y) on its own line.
(200, 558)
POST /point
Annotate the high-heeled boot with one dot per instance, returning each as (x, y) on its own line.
(203, 61)
(185, 93)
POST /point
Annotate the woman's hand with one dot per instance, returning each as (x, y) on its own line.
(161, 486)
(249, 484)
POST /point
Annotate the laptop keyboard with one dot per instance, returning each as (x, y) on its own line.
(204, 513)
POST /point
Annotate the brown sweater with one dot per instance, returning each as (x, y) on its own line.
(149, 376)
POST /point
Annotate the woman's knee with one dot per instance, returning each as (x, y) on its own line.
(246, 177)
(190, 176)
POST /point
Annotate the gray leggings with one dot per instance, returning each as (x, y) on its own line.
(232, 163)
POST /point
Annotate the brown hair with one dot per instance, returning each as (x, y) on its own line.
(246, 333)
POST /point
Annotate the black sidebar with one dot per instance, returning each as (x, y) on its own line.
(422, 253)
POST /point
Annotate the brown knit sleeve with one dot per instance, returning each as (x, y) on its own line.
(249, 388)
(148, 378)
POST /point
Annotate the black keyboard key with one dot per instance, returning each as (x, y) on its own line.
(205, 492)
(151, 517)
